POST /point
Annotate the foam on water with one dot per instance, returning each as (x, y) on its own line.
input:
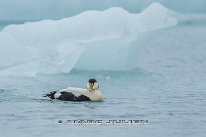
(92, 40)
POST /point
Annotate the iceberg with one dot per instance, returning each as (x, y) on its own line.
(92, 40)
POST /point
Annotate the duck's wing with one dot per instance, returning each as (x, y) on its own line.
(70, 94)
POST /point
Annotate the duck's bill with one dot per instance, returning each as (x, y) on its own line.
(91, 85)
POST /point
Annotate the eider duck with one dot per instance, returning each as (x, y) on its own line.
(78, 94)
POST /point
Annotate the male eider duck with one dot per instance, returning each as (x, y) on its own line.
(78, 94)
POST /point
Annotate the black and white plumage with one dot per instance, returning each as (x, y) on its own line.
(78, 94)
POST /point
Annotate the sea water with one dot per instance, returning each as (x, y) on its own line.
(171, 97)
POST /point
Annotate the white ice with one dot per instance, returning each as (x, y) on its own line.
(92, 40)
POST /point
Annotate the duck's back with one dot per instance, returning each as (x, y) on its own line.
(70, 94)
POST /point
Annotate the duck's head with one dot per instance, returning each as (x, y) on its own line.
(92, 84)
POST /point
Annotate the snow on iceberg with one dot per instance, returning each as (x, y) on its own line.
(92, 40)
